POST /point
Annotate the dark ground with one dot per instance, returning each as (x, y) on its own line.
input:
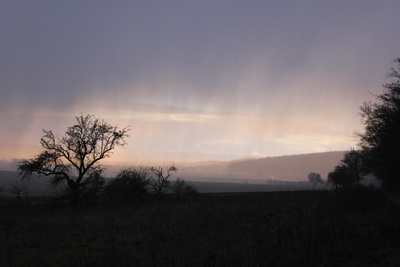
(348, 227)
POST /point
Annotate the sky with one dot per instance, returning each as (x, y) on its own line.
(194, 80)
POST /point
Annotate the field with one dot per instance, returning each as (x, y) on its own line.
(351, 227)
(39, 187)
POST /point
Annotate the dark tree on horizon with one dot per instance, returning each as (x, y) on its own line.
(380, 141)
(352, 160)
(158, 181)
(314, 178)
(71, 159)
(129, 184)
(339, 176)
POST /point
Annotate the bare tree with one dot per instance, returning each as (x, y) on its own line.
(159, 181)
(73, 157)
(180, 188)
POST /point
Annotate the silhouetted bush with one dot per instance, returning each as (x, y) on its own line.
(93, 188)
(129, 184)
(340, 176)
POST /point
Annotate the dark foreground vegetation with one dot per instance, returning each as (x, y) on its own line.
(346, 227)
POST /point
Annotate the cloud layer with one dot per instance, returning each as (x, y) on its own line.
(226, 79)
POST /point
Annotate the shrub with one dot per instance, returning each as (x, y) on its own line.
(129, 184)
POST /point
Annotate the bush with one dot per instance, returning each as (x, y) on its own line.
(129, 184)
(93, 188)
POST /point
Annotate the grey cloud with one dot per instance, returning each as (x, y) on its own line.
(194, 57)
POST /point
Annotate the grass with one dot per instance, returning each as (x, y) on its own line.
(353, 227)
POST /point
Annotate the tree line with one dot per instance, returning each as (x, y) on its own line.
(132, 185)
(378, 152)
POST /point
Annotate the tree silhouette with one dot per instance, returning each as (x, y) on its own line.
(180, 188)
(380, 140)
(159, 181)
(340, 176)
(129, 184)
(314, 178)
(72, 158)
(355, 168)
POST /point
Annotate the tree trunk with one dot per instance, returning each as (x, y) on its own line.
(74, 193)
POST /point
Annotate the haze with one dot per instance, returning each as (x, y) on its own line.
(195, 80)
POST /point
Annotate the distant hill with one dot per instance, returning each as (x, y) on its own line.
(289, 168)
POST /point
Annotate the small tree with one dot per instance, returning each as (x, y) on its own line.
(158, 181)
(180, 188)
(340, 177)
(70, 159)
(353, 162)
(314, 178)
(129, 184)
(17, 189)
